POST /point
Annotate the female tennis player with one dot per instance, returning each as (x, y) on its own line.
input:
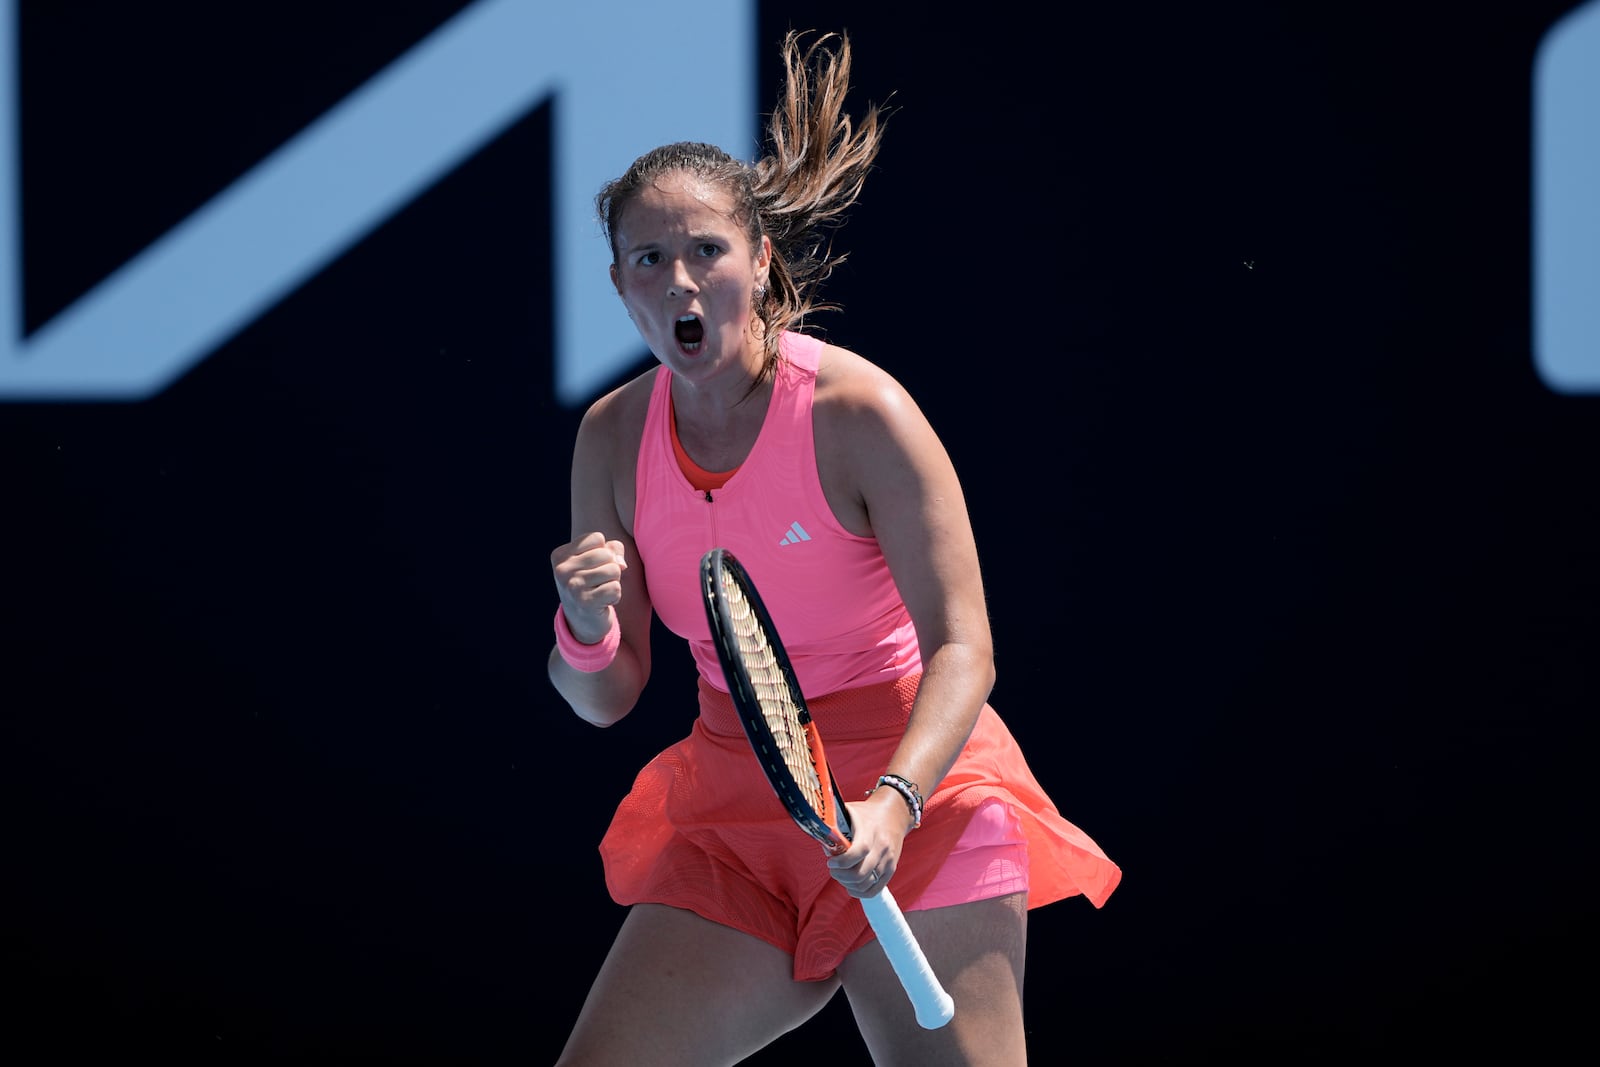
(821, 474)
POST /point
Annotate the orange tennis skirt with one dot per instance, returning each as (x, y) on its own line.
(702, 830)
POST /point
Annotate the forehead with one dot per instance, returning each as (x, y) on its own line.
(676, 203)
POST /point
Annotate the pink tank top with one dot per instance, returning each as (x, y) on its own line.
(829, 591)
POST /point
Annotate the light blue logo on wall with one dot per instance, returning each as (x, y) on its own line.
(1566, 203)
(608, 67)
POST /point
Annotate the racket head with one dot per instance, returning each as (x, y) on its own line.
(769, 702)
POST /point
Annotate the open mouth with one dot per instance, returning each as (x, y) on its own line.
(689, 331)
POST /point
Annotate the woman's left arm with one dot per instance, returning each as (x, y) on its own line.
(904, 480)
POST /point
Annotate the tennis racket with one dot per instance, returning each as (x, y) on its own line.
(786, 741)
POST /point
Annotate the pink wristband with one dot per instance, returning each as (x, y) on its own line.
(587, 658)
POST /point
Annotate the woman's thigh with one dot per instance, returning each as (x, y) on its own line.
(679, 989)
(977, 950)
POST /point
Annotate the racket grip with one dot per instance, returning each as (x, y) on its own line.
(933, 1005)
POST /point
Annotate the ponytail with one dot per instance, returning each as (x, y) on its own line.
(816, 164)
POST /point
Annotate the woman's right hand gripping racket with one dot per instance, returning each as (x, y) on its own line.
(789, 748)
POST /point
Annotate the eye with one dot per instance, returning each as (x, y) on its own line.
(709, 250)
(648, 259)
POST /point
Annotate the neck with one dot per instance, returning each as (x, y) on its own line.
(717, 430)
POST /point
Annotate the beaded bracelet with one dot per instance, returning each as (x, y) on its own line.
(907, 789)
(582, 657)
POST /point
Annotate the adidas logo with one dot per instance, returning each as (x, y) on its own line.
(795, 535)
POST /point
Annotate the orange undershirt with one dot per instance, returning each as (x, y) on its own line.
(698, 476)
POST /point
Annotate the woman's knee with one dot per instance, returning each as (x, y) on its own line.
(977, 951)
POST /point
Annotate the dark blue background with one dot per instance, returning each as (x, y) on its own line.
(1223, 313)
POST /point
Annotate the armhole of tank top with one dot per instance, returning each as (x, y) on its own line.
(819, 498)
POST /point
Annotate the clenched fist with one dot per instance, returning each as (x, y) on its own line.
(588, 575)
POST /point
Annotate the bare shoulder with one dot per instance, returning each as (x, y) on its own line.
(855, 396)
(606, 455)
(621, 410)
(875, 450)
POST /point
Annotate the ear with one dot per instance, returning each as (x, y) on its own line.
(763, 260)
(615, 284)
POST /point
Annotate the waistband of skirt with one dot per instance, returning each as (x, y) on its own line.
(865, 711)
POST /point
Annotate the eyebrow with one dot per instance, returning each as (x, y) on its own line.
(697, 236)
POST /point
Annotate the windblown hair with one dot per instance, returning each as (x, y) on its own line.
(797, 193)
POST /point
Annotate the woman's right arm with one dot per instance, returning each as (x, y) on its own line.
(599, 578)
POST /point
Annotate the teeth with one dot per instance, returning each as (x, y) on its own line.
(686, 318)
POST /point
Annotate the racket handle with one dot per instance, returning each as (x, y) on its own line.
(933, 1005)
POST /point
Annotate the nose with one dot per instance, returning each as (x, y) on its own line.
(680, 283)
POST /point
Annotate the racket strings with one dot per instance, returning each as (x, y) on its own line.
(771, 685)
